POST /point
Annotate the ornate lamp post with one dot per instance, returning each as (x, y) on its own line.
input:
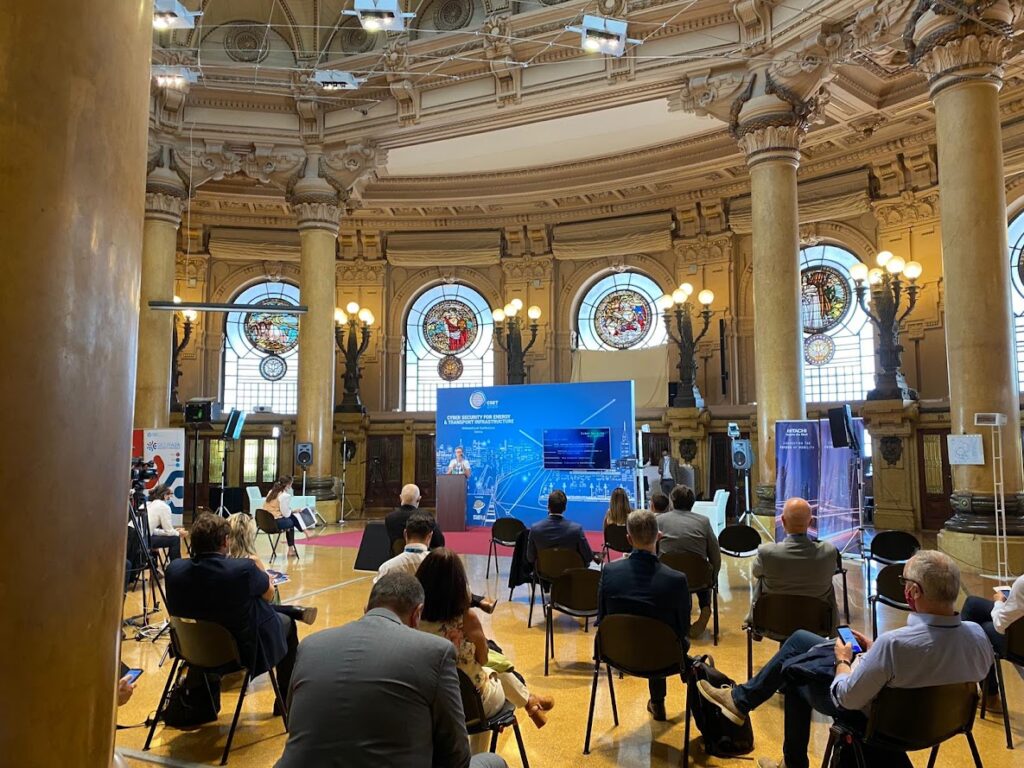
(887, 288)
(358, 321)
(188, 318)
(508, 331)
(678, 308)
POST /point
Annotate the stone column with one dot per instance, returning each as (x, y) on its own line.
(73, 137)
(165, 196)
(963, 60)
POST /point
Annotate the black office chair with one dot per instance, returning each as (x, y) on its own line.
(478, 722)
(267, 523)
(551, 563)
(910, 719)
(504, 532)
(777, 616)
(699, 576)
(1015, 655)
(888, 548)
(574, 593)
(888, 591)
(641, 647)
(739, 541)
(614, 541)
(207, 646)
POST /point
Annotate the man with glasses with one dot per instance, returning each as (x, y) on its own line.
(935, 648)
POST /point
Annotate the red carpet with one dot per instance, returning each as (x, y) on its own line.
(472, 541)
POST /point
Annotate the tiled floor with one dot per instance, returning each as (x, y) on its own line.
(324, 578)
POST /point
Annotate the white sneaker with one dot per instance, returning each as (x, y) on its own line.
(767, 762)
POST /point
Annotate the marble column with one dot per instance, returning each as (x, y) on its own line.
(964, 63)
(165, 195)
(73, 137)
(773, 156)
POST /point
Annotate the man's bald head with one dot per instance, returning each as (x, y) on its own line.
(796, 515)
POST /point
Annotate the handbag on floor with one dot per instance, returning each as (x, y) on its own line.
(722, 737)
(193, 700)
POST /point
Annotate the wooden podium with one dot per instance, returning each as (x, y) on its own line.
(451, 502)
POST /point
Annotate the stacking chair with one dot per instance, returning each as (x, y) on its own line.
(889, 547)
(699, 576)
(909, 719)
(1015, 655)
(641, 647)
(265, 523)
(574, 593)
(551, 563)
(504, 532)
(205, 646)
(478, 722)
(614, 541)
(777, 616)
(888, 591)
(739, 541)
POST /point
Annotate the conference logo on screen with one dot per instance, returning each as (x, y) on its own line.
(477, 400)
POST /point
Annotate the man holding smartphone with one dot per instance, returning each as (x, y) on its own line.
(995, 616)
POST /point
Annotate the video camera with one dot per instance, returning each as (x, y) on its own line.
(142, 471)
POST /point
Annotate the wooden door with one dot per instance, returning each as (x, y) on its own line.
(426, 470)
(383, 470)
(724, 476)
(936, 478)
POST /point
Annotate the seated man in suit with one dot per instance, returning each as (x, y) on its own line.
(556, 531)
(797, 565)
(396, 520)
(378, 693)
(641, 585)
(235, 593)
(659, 503)
(683, 530)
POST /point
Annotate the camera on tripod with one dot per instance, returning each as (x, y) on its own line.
(142, 471)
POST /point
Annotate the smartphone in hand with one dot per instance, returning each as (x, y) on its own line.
(849, 638)
(132, 675)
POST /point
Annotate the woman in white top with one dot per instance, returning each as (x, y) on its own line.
(995, 616)
(162, 533)
(278, 504)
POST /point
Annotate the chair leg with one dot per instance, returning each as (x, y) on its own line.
(160, 704)
(533, 593)
(547, 639)
(611, 690)
(750, 655)
(984, 693)
(519, 741)
(931, 757)
(714, 612)
(278, 697)
(686, 727)
(586, 623)
(273, 545)
(494, 740)
(829, 748)
(846, 599)
(234, 720)
(490, 549)
(1002, 699)
(874, 618)
(590, 716)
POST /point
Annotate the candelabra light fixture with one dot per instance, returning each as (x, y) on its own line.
(188, 318)
(885, 282)
(353, 322)
(678, 313)
(508, 332)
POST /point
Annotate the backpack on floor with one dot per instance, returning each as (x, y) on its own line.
(193, 700)
(722, 737)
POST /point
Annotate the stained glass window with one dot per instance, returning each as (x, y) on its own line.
(261, 351)
(448, 343)
(619, 312)
(1017, 294)
(839, 355)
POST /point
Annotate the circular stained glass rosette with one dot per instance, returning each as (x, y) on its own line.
(819, 349)
(450, 327)
(825, 298)
(272, 332)
(623, 319)
(449, 368)
(273, 368)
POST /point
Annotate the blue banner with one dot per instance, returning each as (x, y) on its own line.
(515, 436)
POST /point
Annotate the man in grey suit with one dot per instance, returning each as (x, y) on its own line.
(683, 530)
(797, 565)
(377, 692)
(668, 471)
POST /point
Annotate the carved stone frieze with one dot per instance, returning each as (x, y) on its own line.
(908, 209)
(361, 271)
(702, 250)
(350, 169)
(528, 268)
(317, 215)
(191, 268)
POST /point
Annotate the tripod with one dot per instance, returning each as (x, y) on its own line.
(222, 510)
(858, 535)
(138, 516)
(344, 477)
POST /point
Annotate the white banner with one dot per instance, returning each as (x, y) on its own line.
(166, 449)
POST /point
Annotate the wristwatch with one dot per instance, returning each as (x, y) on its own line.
(844, 661)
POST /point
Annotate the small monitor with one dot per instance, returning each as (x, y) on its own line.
(235, 422)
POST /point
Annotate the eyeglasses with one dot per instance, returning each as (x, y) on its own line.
(904, 581)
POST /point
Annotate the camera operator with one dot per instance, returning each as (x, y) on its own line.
(162, 533)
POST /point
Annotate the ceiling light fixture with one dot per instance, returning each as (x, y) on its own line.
(602, 35)
(379, 15)
(171, 14)
(336, 80)
(173, 76)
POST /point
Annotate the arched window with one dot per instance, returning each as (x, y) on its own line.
(1017, 279)
(448, 343)
(261, 351)
(619, 312)
(839, 354)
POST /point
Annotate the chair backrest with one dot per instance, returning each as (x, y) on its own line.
(1015, 642)
(894, 546)
(576, 589)
(699, 573)
(888, 587)
(638, 645)
(397, 547)
(265, 521)
(739, 540)
(553, 562)
(615, 538)
(472, 704)
(255, 497)
(721, 499)
(778, 616)
(204, 643)
(910, 719)
(505, 530)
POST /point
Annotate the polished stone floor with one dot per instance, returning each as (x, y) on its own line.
(324, 577)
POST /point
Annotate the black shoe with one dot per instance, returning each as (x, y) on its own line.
(657, 710)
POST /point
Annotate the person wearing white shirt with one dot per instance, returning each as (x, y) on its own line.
(459, 465)
(162, 533)
(418, 530)
(995, 617)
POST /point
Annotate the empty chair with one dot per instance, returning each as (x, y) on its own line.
(614, 541)
(574, 593)
(256, 498)
(778, 616)
(888, 547)
(551, 563)
(478, 722)
(700, 575)
(504, 532)
(888, 591)
(739, 541)
(268, 524)
(1015, 655)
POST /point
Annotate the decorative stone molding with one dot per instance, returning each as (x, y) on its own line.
(351, 168)
(403, 89)
(161, 206)
(528, 268)
(909, 209)
(361, 271)
(702, 250)
(755, 22)
(507, 70)
(317, 215)
(891, 448)
(191, 268)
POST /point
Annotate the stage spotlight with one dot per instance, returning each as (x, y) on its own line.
(602, 35)
(171, 14)
(336, 80)
(379, 15)
(174, 77)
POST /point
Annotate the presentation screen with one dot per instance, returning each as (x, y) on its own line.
(582, 449)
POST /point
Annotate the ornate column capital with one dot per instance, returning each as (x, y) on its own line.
(761, 143)
(165, 191)
(956, 41)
